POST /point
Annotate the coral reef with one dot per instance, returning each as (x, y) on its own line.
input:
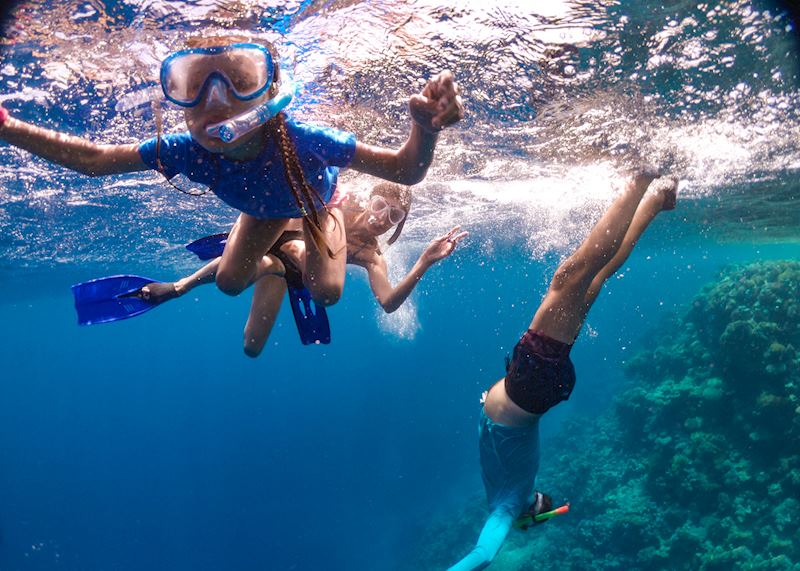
(697, 464)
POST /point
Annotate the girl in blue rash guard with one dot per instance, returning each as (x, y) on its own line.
(540, 373)
(281, 170)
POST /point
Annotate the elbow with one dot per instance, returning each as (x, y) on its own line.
(410, 178)
(389, 306)
(86, 166)
(90, 166)
(409, 170)
(92, 172)
(99, 160)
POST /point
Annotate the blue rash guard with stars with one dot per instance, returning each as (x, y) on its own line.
(258, 187)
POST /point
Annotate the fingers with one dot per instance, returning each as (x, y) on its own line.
(454, 236)
(449, 235)
(445, 92)
(458, 237)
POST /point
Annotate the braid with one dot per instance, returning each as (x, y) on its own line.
(304, 194)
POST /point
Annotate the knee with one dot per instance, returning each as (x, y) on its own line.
(253, 346)
(325, 293)
(229, 285)
(569, 274)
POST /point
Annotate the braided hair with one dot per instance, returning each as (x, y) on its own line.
(305, 196)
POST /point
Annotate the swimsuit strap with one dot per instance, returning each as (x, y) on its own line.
(293, 275)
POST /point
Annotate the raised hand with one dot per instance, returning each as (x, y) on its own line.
(439, 105)
(443, 246)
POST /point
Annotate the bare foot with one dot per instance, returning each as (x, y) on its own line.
(158, 292)
(665, 189)
(644, 175)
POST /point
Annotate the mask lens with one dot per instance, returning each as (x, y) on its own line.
(183, 77)
(377, 205)
(396, 215)
(247, 69)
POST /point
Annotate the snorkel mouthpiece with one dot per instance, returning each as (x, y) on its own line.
(233, 128)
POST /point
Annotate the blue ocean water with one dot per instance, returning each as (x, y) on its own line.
(154, 443)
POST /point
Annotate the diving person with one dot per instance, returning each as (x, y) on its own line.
(540, 373)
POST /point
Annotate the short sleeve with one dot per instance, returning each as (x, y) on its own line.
(173, 153)
(333, 147)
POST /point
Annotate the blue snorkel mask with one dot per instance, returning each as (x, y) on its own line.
(246, 69)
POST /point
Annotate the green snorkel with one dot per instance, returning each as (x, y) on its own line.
(551, 514)
(528, 519)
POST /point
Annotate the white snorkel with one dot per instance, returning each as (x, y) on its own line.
(233, 128)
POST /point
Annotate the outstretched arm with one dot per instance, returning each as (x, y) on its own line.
(437, 107)
(492, 535)
(72, 152)
(391, 298)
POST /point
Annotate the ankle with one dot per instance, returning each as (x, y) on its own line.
(181, 287)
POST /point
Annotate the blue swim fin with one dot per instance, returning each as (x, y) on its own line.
(110, 299)
(311, 319)
(209, 247)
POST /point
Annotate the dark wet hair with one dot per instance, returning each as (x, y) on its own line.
(401, 194)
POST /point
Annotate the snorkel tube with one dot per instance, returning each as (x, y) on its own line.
(538, 518)
(528, 519)
(233, 128)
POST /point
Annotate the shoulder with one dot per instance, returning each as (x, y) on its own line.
(170, 141)
(314, 129)
(319, 138)
(170, 148)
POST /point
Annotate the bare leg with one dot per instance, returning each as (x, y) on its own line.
(563, 310)
(660, 196)
(159, 292)
(267, 298)
(165, 291)
(323, 275)
(249, 239)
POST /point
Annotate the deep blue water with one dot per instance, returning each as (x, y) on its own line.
(154, 443)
